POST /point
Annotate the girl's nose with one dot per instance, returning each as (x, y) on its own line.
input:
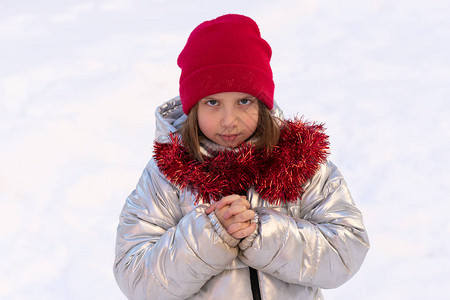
(229, 119)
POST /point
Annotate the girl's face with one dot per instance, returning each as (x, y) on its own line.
(229, 118)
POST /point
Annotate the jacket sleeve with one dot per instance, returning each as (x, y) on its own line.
(161, 254)
(323, 246)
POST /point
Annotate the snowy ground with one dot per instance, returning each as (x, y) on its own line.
(79, 82)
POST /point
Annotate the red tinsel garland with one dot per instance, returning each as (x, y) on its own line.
(277, 177)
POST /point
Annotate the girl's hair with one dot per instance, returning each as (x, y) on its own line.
(265, 136)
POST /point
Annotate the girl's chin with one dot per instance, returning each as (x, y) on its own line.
(233, 145)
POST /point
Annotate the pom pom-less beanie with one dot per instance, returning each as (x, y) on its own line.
(226, 54)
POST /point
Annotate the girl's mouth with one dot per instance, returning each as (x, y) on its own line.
(229, 137)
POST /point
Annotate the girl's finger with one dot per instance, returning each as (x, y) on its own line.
(218, 205)
(245, 232)
(228, 200)
(211, 208)
(234, 210)
(244, 216)
(235, 227)
(242, 201)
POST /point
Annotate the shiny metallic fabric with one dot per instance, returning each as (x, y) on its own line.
(168, 248)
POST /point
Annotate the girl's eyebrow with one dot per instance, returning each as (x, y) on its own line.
(210, 98)
(249, 97)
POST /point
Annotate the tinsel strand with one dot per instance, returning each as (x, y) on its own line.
(278, 176)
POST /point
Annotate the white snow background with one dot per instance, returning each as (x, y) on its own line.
(79, 83)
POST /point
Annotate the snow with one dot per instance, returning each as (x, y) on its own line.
(79, 83)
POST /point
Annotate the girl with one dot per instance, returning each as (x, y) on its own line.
(236, 203)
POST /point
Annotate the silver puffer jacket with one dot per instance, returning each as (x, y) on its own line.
(168, 248)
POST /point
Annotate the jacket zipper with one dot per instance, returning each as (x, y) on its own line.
(255, 284)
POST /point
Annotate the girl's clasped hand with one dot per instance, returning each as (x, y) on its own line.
(235, 215)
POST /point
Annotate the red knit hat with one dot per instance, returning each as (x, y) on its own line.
(226, 54)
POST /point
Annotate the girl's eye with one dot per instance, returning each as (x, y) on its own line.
(212, 102)
(245, 101)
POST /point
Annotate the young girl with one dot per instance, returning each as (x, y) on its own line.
(236, 203)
